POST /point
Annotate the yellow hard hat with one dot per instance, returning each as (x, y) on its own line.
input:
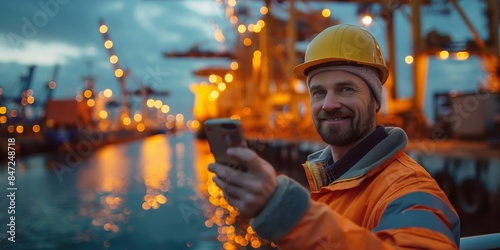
(344, 44)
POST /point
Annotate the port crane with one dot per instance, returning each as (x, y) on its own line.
(51, 85)
(121, 74)
(24, 97)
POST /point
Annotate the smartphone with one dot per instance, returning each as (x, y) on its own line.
(223, 133)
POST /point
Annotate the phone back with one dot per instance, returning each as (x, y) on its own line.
(223, 133)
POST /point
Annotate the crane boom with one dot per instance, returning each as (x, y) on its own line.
(119, 72)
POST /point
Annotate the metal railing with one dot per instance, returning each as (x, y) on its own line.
(485, 241)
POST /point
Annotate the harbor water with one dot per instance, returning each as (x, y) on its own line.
(152, 193)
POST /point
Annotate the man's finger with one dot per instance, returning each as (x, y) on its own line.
(226, 173)
(244, 156)
(232, 194)
(232, 191)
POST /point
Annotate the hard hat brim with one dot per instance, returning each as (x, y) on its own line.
(303, 68)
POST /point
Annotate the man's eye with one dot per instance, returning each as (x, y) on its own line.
(346, 89)
(318, 92)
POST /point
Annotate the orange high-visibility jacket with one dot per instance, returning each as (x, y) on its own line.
(385, 201)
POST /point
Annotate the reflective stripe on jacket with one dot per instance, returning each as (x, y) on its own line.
(385, 201)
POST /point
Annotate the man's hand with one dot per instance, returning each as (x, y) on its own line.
(247, 191)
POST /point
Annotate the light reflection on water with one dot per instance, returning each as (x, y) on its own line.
(155, 163)
(154, 193)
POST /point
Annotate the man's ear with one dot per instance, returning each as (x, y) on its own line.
(377, 106)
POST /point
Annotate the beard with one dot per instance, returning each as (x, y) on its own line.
(345, 134)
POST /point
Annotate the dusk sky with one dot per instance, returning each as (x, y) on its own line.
(65, 32)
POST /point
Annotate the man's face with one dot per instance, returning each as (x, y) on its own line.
(342, 106)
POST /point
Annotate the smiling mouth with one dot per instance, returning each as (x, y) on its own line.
(336, 118)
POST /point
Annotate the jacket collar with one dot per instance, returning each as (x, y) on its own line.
(394, 143)
(336, 169)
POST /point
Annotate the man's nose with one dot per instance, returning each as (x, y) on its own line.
(331, 102)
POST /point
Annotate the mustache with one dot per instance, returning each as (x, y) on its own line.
(333, 114)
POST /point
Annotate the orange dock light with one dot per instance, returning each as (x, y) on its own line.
(158, 104)
(195, 124)
(103, 114)
(150, 103)
(108, 93)
(87, 93)
(30, 99)
(257, 28)
(242, 28)
(20, 129)
(165, 109)
(118, 73)
(231, 3)
(179, 118)
(443, 55)
(367, 20)
(409, 59)
(103, 28)
(234, 65)
(36, 128)
(213, 95)
(126, 121)
(228, 77)
(141, 127)
(212, 78)
(264, 10)
(221, 86)
(137, 117)
(461, 55)
(233, 19)
(326, 13)
(108, 44)
(90, 102)
(113, 59)
(247, 41)
(261, 23)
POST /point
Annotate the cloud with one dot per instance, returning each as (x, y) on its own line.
(44, 54)
(113, 6)
(104, 64)
(149, 17)
(185, 29)
(207, 9)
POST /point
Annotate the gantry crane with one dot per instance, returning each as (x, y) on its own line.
(51, 85)
(144, 91)
(119, 72)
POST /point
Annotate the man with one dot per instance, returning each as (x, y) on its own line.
(365, 191)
